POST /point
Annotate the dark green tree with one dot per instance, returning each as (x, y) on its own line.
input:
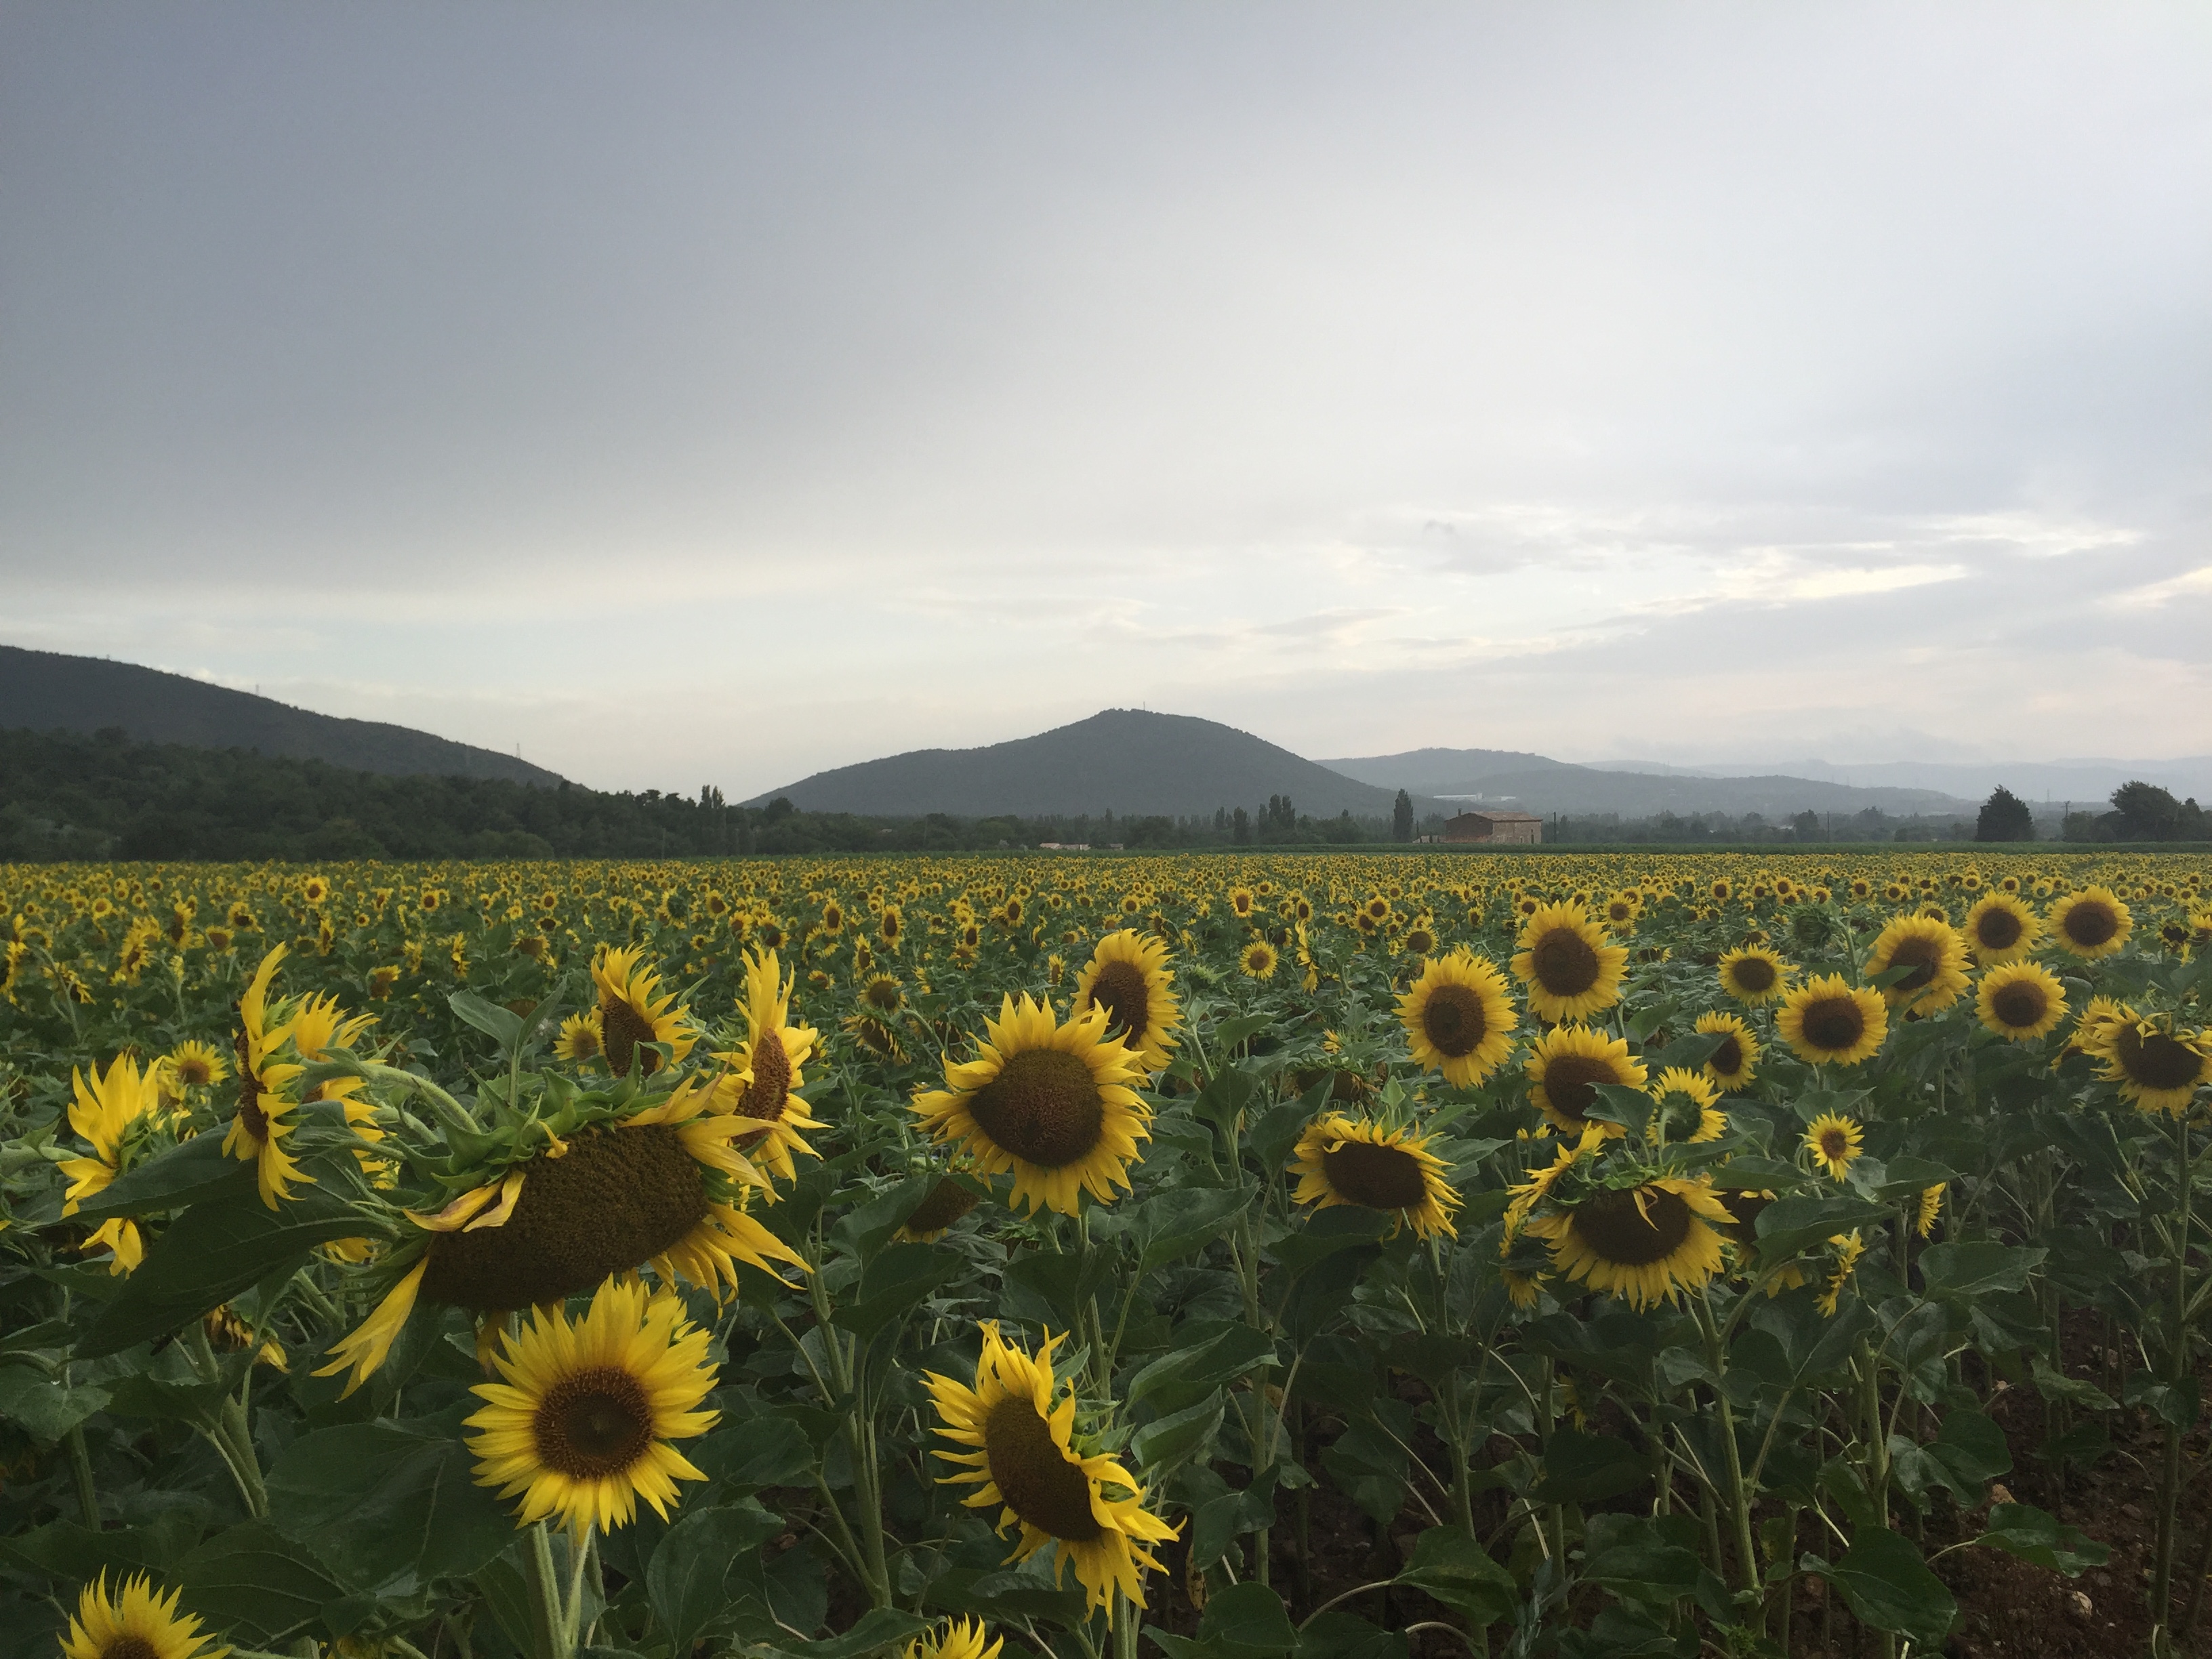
(2004, 816)
(1807, 825)
(1401, 817)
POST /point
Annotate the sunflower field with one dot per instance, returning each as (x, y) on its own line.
(1338, 1255)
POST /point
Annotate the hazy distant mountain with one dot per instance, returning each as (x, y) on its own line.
(1121, 760)
(1440, 771)
(46, 691)
(1537, 783)
(2083, 782)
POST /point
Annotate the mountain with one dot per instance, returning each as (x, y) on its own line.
(2085, 782)
(1537, 783)
(1126, 761)
(45, 692)
(1440, 771)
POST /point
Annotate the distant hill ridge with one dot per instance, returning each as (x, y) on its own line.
(1536, 783)
(1127, 761)
(47, 690)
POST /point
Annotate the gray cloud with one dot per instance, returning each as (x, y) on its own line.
(738, 391)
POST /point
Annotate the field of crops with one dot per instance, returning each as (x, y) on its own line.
(1332, 1254)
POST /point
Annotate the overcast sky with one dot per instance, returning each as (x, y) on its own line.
(701, 393)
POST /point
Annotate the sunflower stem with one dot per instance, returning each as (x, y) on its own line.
(87, 1495)
(1738, 1493)
(548, 1625)
(2169, 1489)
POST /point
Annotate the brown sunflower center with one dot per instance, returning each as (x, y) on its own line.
(617, 1200)
(1834, 1024)
(771, 1086)
(1614, 1226)
(946, 1202)
(1034, 1475)
(1378, 1177)
(1835, 1145)
(1043, 1107)
(625, 1028)
(1996, 929)
(1420, 941)
(883, 995)
(1120, 990)
(2019, 1005)
(1727, 1060)
(1571, 1083)
(129, 1646)
(194, 1072)
(2092, 922)
(1565, 964)
(2157, 1061)
(249, 1107)
(1745, 1207)
(593, 1423)
(1754, 975)
(1453, 1020)
(1922, 956)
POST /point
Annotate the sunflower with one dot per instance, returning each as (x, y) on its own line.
(1343, 1160)
(1931, 1205)
(1565, 1069)
(1734, 1064)
(2091, 923)
(1836, 1142)
(2092, 1027)
(2001, 928)
(1754, 974)
(630, 1014)
(960, 1638)
(1458, 1019)
(661, 1186)
(2021, 1000)
(2157, 1066)
(136, 1622)
(1848, 1249)
(1127, 976)
(263, 1122)
(1935, 953)
(1258, 960)
(104, 1113)
(1564, 961)
(1828, 1021)
(764, 1073)
(579, 1424)
(1523, 1198)
(1054, 1104)
(1643, 1242)
(583, 1038)
(192, 1064)
(1686, 1111)
(940, 1207)
(1023, 1459)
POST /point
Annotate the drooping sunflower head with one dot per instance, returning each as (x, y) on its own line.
(2158, 1065)
(1376, 1166)
(1053, 1105)
(2091, 923)
(1129, 977)
(1754, 974)
(634, 1013)
(1687, 1110)
(2021, 1000)
(1258, 960)
(1827, 1021)
(1734, 1063)
(1016, 1435)
(1643, 1243)
(1458, 1019)
(581, 1424)
(1566, 1068)
(1835, 1142)
(134, 1621)
(1564, 960)
(2001, 928)
(1935, 957)
(941, 1205)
